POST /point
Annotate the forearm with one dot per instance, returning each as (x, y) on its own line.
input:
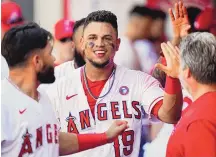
(176, 41)
(70, 143)
(170, 111)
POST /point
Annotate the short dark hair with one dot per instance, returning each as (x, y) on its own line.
(20, 41)
(102, 16)
(159, 74)
(159, 14)
(140, 10)
(78, 23)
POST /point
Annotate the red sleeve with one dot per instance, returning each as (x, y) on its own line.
(200, 139)
(156, 108)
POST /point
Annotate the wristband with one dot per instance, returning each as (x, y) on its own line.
(173, 85)
(88, 141)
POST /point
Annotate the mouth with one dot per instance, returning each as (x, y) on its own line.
(99, 53)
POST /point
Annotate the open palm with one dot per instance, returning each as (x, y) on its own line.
(180, 21)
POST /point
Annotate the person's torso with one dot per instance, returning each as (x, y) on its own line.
(123, 101)
(29, 128)
(202, 109)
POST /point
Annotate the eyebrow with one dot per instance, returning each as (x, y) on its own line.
(106, 35)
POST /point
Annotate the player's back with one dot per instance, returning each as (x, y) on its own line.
(29, 128)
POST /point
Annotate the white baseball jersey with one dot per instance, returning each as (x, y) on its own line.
(64, 69)
(4, 68)
(131, 90)
(159, 145)
(28, 128)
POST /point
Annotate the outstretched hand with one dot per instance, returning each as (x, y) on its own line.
(180, 21)
(172, 57)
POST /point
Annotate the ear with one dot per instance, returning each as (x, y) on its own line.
(187, 73)
(82, 43)
(118, 44)
(37, 62)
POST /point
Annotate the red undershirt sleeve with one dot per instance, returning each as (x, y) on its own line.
(156, 108)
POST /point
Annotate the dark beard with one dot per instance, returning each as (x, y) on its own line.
(78, 59)
(47, 75)
(98, 65)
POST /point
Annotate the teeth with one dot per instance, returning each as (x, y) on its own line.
(99, 52)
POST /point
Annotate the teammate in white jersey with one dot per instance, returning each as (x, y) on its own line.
(29, 126)
(66, 68)
(101, 92)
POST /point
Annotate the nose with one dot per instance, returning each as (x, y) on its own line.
(99, 42)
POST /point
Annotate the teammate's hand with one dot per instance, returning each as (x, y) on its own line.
(180, 21)
(116, 129)
(172, 57)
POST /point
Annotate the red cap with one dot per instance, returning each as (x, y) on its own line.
(11, 15)
(204, 19)
(64, 29)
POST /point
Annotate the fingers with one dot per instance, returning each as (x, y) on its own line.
(176, 10)
(161, 67)
(173, 53)
(180, 6)
(171, 14)
(165, 51)
(185, 12)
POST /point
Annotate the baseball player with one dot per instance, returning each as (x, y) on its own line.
(29, 126)
(100, 92)
(78, 61)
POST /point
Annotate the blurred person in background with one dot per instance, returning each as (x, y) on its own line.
(158, 29)
(148, 49)
(11, 15)
(137, 29)
(64, 46)
(66, 68)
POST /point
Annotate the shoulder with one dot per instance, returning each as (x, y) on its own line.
(134, 75)
(67, 81)
(64, 69)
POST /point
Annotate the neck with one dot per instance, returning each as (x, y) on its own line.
(201, 89)
(97, 74)
(25, 81)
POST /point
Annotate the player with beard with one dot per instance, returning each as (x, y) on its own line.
(66, 68)
(100, 92)
(29, 126)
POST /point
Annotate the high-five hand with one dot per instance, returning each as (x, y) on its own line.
(180, 21)
(171, 54)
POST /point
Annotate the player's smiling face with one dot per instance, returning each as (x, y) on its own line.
(100, 42)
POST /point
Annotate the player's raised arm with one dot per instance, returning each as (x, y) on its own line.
(180, 22)
(70, 143)
(170, 111)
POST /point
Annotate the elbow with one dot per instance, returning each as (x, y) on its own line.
(167, 117)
